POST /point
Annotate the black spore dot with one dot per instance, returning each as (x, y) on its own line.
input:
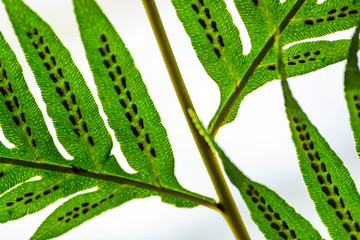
(16, 101)
(342, 202)
(117, 89)
(320, 179)
(217, 52)
(202, 23)
(339, 215)
(147, 138)
(28, 131)
(353, 12)
(135, 131)
(317, 52)
(84, 126)
(60, 219)
(347, 227)
(72, 120)
(103, 38)
(319, 20)
(16, 120)
(275, 226)
(214, 27)
(255, 2)
(85, 204)
(73, 99)
(123, 82)
(33, 142)
(221, 41)
(94, 205)
(328, 178)
(4, 73)
(3, 91)
(141, 146)
(309, 22)
(193, 6)
(47, 65)
(8, 204)
(53, 77)
(268, 217)
(9, 106)
(67, 220)
(56, 187)
(68, 213)
(344, 8)
(207, 13)
(291, 63)
(53, 60)
(152, 152)
(66, 105)
(292, 233)
(37, 197)
(78, 111)
(1, 174)
(113, 58)
(271, 67)
(330, 19)
(128, 95)
(312, 59)
(277, 216)
(42, 55)
(325, 190)
(332, 11)
(106, 63)
(107, 47)
(60, 91)
(283, 235)
(128, 116)
(284, 224)
(134, 108)
(112, 76)
(302, 61)
(261, 208)
(270, 208)
(201, 2)
(118, 70)
(77, 132)
(102, 52)
(90, 140)
(59, 71)
(28, 201)
(210, 37)
(323, 167)
(111, 196)
(141, 123)
(46, 192)
(19, 199)
(47, 50)
(76, 215)
(336, 190)
(315, 167)
(307, 54)
(22, 115)
(342, 15)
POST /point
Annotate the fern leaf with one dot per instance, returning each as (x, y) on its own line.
(329, 183)
(352, 89)
(274, 217)
(84, 207)
(131, 112)
(69, 101)
(72, 107)
(261, 18)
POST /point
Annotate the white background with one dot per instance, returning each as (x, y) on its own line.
(258, 140)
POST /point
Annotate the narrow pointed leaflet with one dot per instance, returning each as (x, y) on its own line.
(274, 217)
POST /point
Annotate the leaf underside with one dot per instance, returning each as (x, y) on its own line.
(217, 44)
(329, 183)
(274, 217)
(79, 127)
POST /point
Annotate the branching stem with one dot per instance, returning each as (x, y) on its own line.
(111, 178)
(239, 87)
(226, 201)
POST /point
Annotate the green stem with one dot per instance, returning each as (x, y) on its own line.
(239, 87)
(226, 202)
(111, 178)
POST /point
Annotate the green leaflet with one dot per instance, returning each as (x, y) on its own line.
(352, 89)
(131, 113)
(79, 128)
(261, 18)
(86, 206)
(69, 101)
(328, 181)
(275, 218)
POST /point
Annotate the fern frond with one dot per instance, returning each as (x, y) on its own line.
(274, 217)
(79, 128)
(261, 19)
(352, 89)
(329, 183)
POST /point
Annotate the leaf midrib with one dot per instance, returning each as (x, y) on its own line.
(201, 200)
(230, 102)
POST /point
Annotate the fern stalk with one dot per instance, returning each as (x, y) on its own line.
(240, 86)
(226, 204)
(109, 178)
